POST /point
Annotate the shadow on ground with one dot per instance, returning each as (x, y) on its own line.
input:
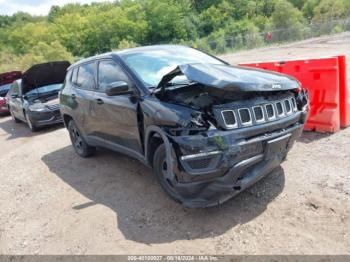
(143, 212)
(18, 130)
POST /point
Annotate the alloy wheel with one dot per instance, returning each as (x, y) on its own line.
(77, 139)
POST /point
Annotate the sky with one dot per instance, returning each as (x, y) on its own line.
(36, 7)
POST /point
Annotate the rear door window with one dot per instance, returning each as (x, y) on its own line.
(86, 76)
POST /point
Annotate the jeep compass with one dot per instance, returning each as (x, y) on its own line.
(209, 130)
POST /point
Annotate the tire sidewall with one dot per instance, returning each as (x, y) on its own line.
(86, 149)
(158, 160)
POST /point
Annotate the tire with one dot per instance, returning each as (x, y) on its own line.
(31, 126)
(13, 116)
(160, 169)
(78, 142)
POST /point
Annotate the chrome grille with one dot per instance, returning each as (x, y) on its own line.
(245, 116)
(258, 114)
(288, 106)
(229, 118)
(294, 104)
(279, 107)
(270, 111)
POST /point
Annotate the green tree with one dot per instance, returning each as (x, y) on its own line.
(287, 21)
(328, 10)
(44, 52)
(168, 20)
(298, 3)
(309, 7)
(23, 38)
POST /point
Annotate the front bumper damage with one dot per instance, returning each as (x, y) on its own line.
(229, 161)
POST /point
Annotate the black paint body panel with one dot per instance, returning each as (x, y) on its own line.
(127, 123)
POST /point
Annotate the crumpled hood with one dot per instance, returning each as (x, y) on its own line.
(232, 78)
(44, 74)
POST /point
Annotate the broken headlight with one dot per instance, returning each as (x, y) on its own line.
(192, 126)
(302, 99)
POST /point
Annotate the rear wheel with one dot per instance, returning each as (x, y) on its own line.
(78, 141)
(13, 116)
(160, 169)
(31, 126)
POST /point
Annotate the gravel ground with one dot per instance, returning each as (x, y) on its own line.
(53, 202)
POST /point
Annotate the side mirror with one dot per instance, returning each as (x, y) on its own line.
(14, 96)
(118, 88)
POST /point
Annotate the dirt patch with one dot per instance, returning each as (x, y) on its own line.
(53, 202)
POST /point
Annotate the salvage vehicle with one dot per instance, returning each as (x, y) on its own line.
(209, 130)
(34, 98)
(5, 82)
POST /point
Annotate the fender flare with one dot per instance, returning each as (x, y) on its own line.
(168, 145)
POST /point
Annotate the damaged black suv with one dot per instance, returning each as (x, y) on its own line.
(209, 130)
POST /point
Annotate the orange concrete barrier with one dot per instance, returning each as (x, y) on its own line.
(325, 79)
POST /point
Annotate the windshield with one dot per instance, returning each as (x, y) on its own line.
(43, 91)
(4, 89)
(151, 65)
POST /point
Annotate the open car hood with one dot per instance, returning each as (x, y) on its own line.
(44, 74)
(232, 78)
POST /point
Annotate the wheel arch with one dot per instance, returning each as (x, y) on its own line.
(66, 118)
(155, 137)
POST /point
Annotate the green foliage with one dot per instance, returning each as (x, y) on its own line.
(298, 3)
(168, 21)
(123, 44)
(287, 22)
(9, 61)
(309, 7)
(44, 52)
(79, 30)
(40, 53)
(328, 10)
(98, 30)
(23, 38)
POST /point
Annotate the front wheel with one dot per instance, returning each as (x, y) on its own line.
(78, 141)
(166, 179)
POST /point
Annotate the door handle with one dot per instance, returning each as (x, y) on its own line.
(73, 96)
(99, 101)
